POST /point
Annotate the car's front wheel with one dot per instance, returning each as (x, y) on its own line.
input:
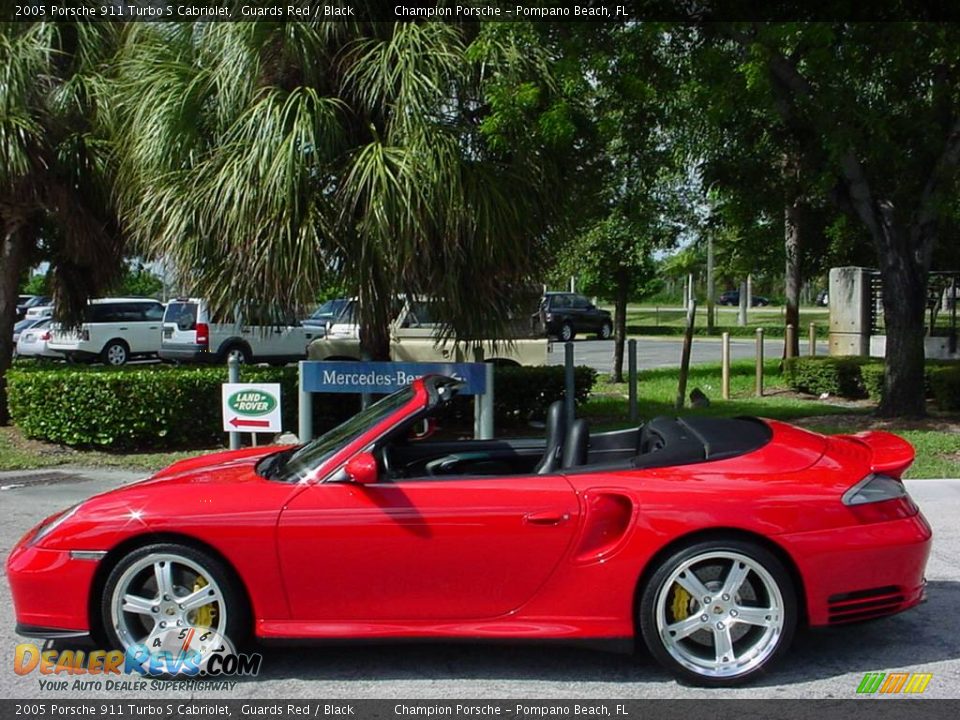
(718, 612)
(174, 588)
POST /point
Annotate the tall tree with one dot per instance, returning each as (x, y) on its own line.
(261, 157)
(54, 169)
(879, 105)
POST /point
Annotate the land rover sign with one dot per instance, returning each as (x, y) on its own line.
(251, 407)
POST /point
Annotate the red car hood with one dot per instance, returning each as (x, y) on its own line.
(223, 467)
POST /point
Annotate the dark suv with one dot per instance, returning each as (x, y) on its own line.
(565, 314)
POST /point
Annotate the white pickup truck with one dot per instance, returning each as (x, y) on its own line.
(413, 338)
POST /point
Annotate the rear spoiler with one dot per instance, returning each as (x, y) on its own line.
(889, 453)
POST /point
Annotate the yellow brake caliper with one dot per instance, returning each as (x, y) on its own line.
(680, 604)
(203, 616)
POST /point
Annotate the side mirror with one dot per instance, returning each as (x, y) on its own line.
(362, 469)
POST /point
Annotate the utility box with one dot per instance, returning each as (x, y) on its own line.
(849, 294)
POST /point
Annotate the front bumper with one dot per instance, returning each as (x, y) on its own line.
(51, 591)
(863, 571)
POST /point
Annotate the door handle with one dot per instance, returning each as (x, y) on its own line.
(547, 517)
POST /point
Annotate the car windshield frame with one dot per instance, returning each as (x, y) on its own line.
(297, 466)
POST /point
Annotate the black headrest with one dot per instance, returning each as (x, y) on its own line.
(556, 429)
(576, 444)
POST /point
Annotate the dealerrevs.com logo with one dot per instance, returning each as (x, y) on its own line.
(179, 653)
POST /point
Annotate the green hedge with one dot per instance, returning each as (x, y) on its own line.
(864, 377)
(836, 376)
(162, 406)
(945, 386)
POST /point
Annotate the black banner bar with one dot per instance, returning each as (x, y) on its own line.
(477, 10)
(529, 709)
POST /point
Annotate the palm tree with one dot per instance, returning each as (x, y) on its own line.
(261, 157)
(54, 169)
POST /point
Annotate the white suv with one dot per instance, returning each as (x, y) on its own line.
(113, 331)
(190, 334)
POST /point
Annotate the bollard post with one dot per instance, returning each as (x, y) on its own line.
(632, 379)
(569, 388)
(725, 366)
(233, 375)
(788, 340)
(812, 340)
(304, 409)
(759, 389)
(486, 403)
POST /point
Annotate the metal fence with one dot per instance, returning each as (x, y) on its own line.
(943, 296)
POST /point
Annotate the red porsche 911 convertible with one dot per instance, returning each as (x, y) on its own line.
(710, 539)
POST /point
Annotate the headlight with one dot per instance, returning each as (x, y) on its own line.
(874, 488)
(53, 523)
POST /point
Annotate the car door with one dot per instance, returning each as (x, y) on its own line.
(583, 320)
(423, 549)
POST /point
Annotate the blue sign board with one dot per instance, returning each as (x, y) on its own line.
(336, 376)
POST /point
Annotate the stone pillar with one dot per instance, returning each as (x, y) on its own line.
(849, 293)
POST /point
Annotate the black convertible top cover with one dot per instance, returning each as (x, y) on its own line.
(679, 441)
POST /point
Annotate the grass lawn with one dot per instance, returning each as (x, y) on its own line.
(19, 453)
(937, 439)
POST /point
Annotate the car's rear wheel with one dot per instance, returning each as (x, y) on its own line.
(566, 332)
(606, 330)
(171, 587)
(718, 612)
(115, 353)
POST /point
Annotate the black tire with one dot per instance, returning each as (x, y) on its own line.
(766, 591)
(566, 332)
(234, 603)
(115, 353)
(242, 352)
(606, 331)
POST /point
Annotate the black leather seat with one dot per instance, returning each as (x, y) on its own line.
(576, 445)
(556, 427)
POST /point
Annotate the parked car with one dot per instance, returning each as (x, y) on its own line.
(711, 540)
(34, 342)
(732, 297)
(114, 330)
(191, 334)
(823, 298)
(564, 314)
(414, 337)
(25, 302)
(38, 311)
(22, 325)
(325, 314)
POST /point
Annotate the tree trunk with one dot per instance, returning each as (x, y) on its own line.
(792, 221)
(11, 259)
(620, 321)
(904, 303)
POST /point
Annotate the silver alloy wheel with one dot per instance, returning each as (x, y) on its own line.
(606, 330)
(116, 354)
(732, 614)
(162, 591)
(566, 332)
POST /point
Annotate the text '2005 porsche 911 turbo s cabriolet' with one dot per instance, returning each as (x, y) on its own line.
(710, 540)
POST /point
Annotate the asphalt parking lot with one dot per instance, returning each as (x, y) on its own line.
(822, 664)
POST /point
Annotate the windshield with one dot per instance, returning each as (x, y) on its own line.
(295, 467)
(329, 309)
